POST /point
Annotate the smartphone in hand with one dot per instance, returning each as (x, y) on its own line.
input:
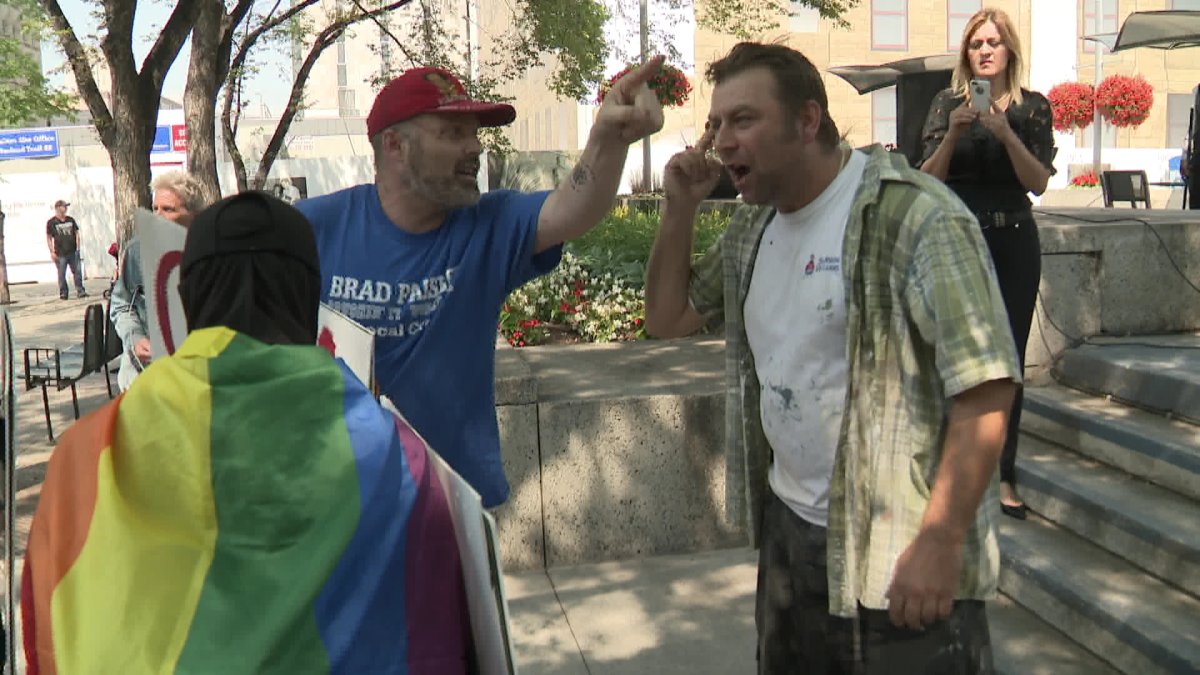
(981, 95)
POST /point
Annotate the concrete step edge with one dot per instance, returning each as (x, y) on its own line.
(1132, 440)
(1155, 389)
(1024, 644)
(1068, 489)
(1051, 570)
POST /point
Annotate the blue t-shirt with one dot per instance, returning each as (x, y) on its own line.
(433, 300)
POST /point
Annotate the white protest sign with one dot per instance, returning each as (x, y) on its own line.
(475, 531)
(161, 244)
(348, 340)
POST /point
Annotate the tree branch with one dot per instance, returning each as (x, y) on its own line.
(80, 64)
(166, 47)
(323, 41)
(268, 25)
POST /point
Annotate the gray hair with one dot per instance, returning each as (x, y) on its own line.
(405, 129)
(184, 185)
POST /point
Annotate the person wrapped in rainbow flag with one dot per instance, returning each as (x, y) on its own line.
(247, 506)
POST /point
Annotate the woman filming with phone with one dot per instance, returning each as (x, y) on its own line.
(991, 142)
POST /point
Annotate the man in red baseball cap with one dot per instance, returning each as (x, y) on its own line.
(423, 260)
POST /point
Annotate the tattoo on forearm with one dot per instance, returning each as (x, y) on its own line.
(581, 175)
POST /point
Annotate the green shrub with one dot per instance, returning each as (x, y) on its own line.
(596, 292)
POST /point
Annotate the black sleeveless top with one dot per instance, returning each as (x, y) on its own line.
(981, 173)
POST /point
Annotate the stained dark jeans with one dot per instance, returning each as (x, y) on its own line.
(1017, 256)
(62, 262)
(797, 635)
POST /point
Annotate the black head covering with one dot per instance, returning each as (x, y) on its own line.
(250, 263)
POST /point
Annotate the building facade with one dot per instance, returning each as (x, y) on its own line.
(1051, 33)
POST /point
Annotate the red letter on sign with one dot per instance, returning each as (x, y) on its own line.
(166, 264)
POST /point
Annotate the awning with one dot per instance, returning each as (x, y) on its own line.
(1168, 29)
(866, 79)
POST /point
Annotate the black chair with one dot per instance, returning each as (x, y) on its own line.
(64, 367)
(113, 347)
(1125, 186)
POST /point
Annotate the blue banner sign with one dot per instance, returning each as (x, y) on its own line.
(28, 144)
(162, 139)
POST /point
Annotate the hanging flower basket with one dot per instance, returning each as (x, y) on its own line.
(670, 85)
(1124, 101)
(1072, 104)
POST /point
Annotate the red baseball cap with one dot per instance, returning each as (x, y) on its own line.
(431, 90)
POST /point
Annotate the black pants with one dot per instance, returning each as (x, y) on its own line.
(798, 636)
(1017, 256)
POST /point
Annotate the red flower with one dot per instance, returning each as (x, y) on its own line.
(1124, 101)
(1088, 179)
(1072, 104)
(670, 85)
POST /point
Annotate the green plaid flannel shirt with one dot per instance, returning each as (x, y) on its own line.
(925, 322)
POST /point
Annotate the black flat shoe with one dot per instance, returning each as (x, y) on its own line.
(1017, 511)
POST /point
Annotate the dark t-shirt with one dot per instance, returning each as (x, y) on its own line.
(981, 173)
(64, 232)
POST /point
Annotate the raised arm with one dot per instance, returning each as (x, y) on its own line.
(945, 124)
(630, 111)
(689, 177)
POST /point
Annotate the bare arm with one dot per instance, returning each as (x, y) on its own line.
(668, 311)
(630, 111)
(688, 178)
(927, 572)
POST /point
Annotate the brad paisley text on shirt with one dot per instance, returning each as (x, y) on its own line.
(390, 309)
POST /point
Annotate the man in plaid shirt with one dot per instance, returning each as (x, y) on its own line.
(870, 371)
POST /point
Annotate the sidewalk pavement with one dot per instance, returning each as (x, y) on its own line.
(694, 614)
(671, 614)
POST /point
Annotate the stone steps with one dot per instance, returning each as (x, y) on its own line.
(1153, 528)
(1134, 621)
(1023, 644)
(1158, 373)
(1110, 555)
(1162, 451)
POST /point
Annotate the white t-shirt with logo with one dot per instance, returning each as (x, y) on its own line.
(795, 317)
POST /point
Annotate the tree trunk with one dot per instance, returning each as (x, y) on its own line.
(128, 138)
(4, 297)
(130, 155)
(205, 73)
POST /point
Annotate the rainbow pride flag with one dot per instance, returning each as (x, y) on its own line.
(243, 508)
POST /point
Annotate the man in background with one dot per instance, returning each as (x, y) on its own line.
(62, 238)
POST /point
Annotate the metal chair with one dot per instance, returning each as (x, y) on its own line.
(64, 367)
(113, 347)
(1125, 186)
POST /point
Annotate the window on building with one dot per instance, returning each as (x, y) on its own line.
(346, 107)
(341, 61)
(889, 24)
(802, 18)
(958, 13)
(1179, 109)
(1108, 21)
(385, 51)
(1185, 4)
(883, 116)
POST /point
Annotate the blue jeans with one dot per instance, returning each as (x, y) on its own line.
(62, 262)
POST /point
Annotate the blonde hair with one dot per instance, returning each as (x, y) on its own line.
(1015, 69)
(184, 185)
